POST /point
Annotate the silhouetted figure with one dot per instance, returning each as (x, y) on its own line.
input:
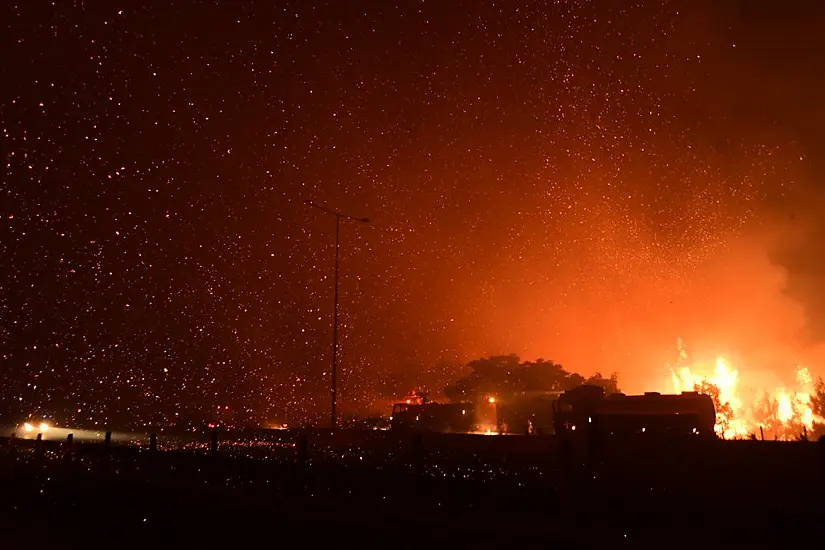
(107, 439)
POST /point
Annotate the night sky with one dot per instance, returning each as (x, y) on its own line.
(579, 181)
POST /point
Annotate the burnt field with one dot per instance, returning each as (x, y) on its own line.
(371, 488)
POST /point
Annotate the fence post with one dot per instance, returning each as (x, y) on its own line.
(418, 454)
(153, 442)
(303, 450)
(821, 444)
(106, 459)
(213, 443)
(565, 481)
(39, 451)
(595, 444)
(302, 458)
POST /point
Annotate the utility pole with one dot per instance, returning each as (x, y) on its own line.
(338, 217)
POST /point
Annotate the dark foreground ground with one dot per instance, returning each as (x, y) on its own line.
(381, 491)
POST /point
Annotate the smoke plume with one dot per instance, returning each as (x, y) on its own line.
(800, 252)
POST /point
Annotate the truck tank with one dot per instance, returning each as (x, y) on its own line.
(688, 413)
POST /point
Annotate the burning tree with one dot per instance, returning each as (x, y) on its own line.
(782, 412)
(724, 410)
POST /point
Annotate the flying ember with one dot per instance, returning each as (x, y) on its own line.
(744, 407)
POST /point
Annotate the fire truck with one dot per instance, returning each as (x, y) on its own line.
(586, 410)
(433, 417)
(527, 413)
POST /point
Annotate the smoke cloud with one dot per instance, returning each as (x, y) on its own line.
(800, 252)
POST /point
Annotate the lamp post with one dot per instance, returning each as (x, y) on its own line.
(338, 217)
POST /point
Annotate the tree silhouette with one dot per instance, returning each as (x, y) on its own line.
(818, 407)
(610, 384)
(503, 376)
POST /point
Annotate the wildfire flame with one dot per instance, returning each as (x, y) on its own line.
(780, 413)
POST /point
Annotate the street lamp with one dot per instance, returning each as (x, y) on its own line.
(338, 217)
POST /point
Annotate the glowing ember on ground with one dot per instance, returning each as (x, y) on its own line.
(485, 429)
(745, 408)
